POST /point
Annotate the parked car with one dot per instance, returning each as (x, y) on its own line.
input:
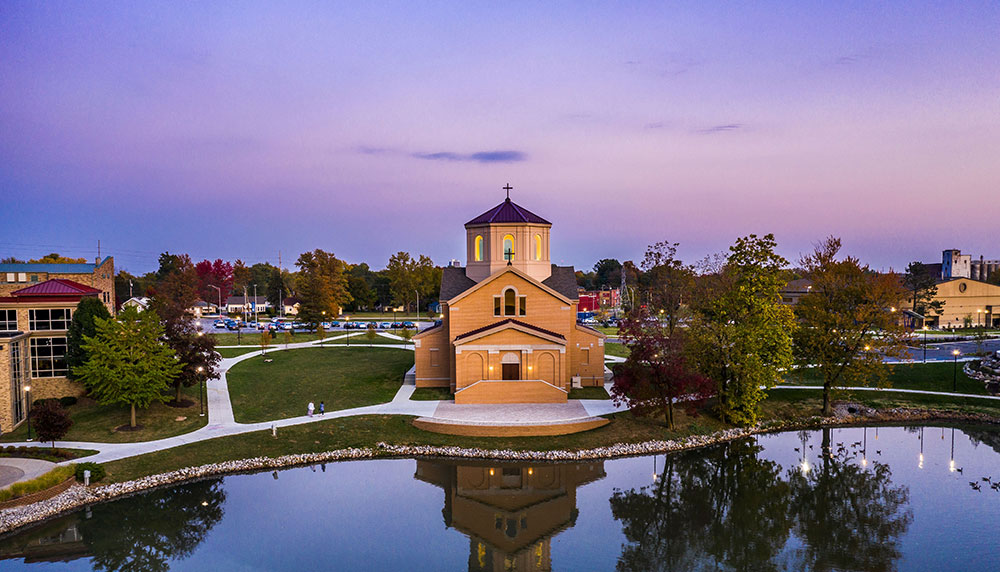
(220, 323)
(384, 326)
(409, 326)
(287, 326)
(334, 324)
(232, 325)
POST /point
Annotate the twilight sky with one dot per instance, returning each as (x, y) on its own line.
(363, 130)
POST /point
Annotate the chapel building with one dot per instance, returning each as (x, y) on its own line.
(508, 332)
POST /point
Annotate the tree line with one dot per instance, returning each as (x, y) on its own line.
(719, 329)
(321, 282)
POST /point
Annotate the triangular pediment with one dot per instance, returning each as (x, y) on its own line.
(510, 324)
(499, 274)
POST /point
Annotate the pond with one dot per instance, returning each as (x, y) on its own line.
(886, 498)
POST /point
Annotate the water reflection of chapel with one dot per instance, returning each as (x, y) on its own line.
(509, 512)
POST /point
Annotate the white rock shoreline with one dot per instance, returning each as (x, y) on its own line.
(78, 496)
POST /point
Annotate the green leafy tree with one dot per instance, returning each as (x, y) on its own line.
(371, 334)
(265, 341)
(403, 281)
(128, 362)
(50, 420)
(846, 322)
(607, 272)
(56, 258)
(922, 284)
(322, 286)
(83, 325)
(741, 335)
(665, 284)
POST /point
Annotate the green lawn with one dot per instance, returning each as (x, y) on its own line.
(589, 393)
(611, 331)
(611, 349)
(928, 377)
(253, 339)
(97, 423)
(366, 431)
(235, 352)
(432, 394)
(342, 378)
(362, 340)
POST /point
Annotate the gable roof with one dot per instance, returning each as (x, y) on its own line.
(454, 282)
(507, 212)
(57, 287)
(509, 322)
(513, 269)
(563, 280)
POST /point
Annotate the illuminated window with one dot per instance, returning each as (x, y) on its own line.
(538, 247)
(508, 247)
(479, 249)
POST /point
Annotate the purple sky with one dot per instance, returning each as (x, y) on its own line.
(236, 133)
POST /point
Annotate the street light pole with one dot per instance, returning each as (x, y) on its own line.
(954, 374)
(201, 391)
(219, 309)
(925, 343)
(27, 390)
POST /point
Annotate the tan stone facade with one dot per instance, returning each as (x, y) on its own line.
(100, 275)
(510, 336)
(966, 301)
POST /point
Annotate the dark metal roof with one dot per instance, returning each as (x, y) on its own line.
(57, 287)
(509, 321)
(454, 282)
(563, 280)
(507, 212)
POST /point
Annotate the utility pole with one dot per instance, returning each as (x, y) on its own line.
(281, 289)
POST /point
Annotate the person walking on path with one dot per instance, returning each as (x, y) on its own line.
(310, 409)
(322, 408)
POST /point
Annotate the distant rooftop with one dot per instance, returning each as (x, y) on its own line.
(53, 267)
(57, 287)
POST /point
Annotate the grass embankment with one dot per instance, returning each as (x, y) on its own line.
(365, 431)
(48, 480)
(98, 423)
(362, 340)
(342, 378)
(45, 453)
(589, 393)
(253, 338)
(431, 394)
(927, 377)
(612, 349)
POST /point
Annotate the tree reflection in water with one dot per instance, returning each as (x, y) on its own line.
(144, 532)
(724, 508)
(849, 517)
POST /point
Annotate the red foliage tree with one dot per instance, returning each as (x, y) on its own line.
(656, 373)
(218, 274)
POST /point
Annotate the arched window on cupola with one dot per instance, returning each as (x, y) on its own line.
(479, 248)
(508, 247)
(538, 247)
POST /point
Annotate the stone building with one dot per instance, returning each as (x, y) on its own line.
(33, 325)
(100, 275)
(508, 332)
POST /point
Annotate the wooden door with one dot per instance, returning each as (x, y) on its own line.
(511, 371)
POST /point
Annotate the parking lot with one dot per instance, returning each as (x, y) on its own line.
(209, 324)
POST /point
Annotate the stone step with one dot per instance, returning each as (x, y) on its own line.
(411, 376)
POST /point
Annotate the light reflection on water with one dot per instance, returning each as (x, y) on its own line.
(887, 498)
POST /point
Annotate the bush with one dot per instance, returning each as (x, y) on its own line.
(97, 471)
(43, 453)
(67, 401)
(48, 480)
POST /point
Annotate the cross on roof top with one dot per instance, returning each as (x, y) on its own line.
(507, 188)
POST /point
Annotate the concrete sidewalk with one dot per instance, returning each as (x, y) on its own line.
(14, 470)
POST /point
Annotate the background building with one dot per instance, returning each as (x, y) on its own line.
(100, 275)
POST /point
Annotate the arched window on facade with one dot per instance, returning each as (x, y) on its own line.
(508, 247)
(479, 248)
(509, 302)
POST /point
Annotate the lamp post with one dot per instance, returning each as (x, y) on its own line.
(417, 292)
(27, 390)
(219, 309)
(201, 391)
(954, 373)
(925, 343)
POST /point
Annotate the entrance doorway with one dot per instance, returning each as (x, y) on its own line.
(510, 366)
